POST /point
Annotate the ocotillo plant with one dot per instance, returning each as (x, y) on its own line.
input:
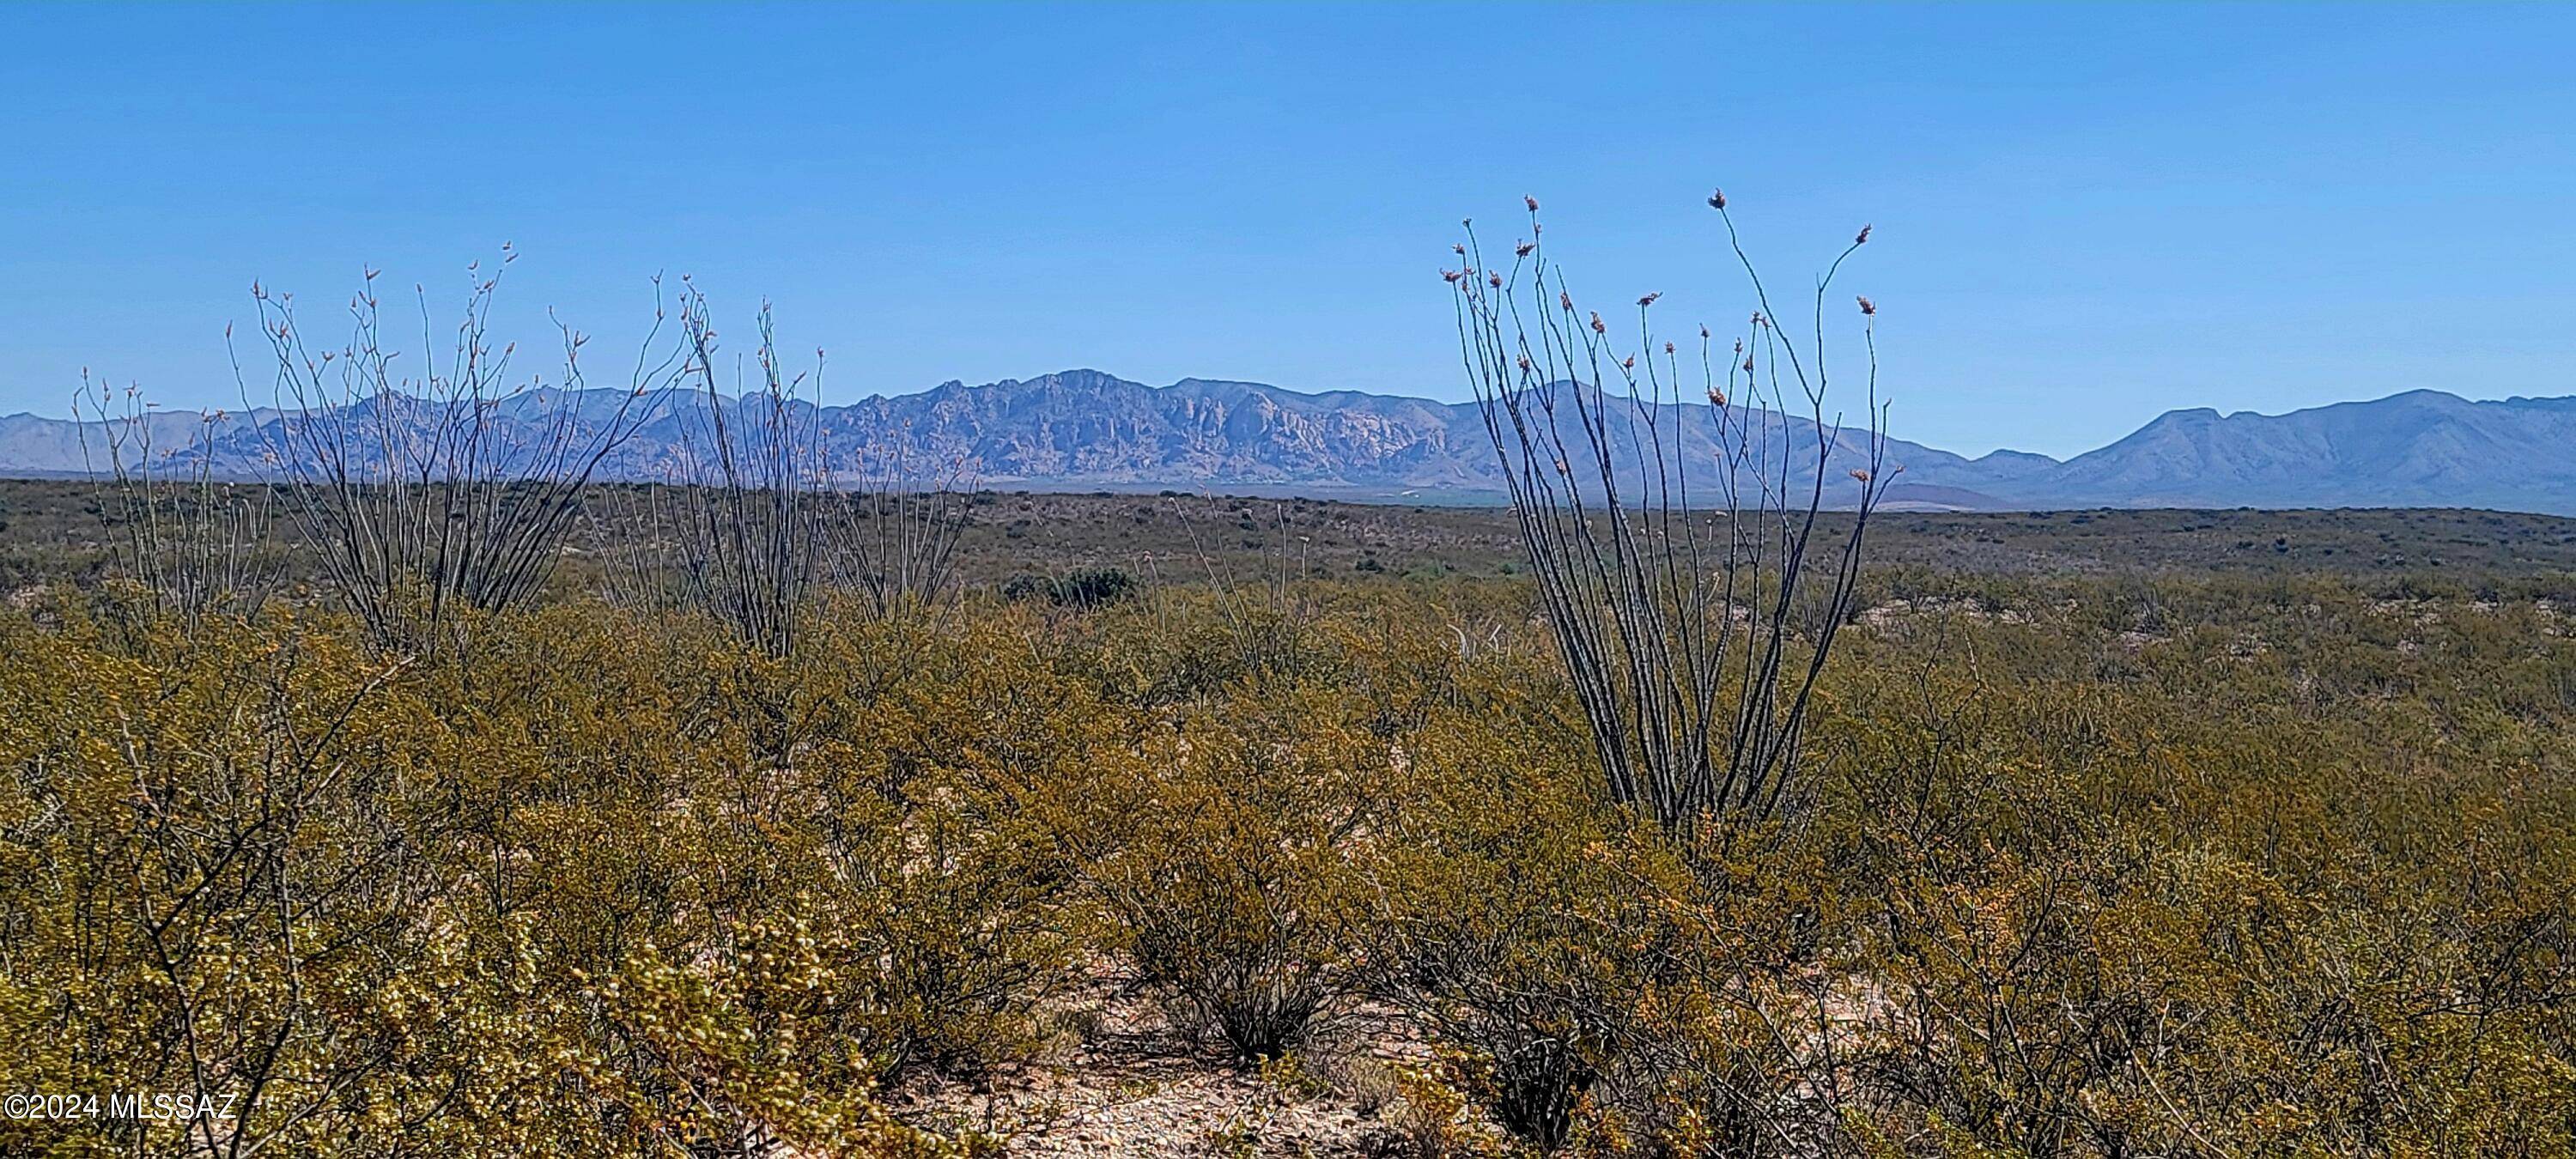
(197, 543)
(428, 494)
(895, 539)
(1673, 544)
(747, 538)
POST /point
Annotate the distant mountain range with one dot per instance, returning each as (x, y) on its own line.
(1086, 430)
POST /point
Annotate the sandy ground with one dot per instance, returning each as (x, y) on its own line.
(1126, 1084)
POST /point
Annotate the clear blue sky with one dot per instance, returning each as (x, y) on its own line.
(2085, 215)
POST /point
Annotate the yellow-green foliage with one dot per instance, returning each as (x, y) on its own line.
(1231, 894)
(2274, 866)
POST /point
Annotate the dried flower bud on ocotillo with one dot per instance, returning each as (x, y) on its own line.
(1522, 250)
(1530, 201)
(1867, 307)
(1566, 300)
(1863, 239)
(1716, 397)
(1597, 326)
(1649, 299)
(1494, 278)
(1860, 473)
(1668, 347)
(1717, 199)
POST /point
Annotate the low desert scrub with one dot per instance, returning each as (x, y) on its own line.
(1232, 898)
(618, 881)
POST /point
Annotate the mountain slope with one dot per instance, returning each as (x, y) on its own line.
(2422, 448)
(1084, 429)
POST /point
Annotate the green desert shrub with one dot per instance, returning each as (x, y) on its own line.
(2294, 873)
(1231, 899)
(1081, 588)
(1517, 921)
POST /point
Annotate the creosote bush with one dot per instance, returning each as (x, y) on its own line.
(620, 881)
(1231, 898)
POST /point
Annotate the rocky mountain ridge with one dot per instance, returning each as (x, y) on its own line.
(1088, 430)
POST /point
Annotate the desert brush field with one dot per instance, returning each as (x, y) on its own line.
(2222, 833)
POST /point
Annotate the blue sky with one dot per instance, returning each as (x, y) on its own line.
(2086, 215)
